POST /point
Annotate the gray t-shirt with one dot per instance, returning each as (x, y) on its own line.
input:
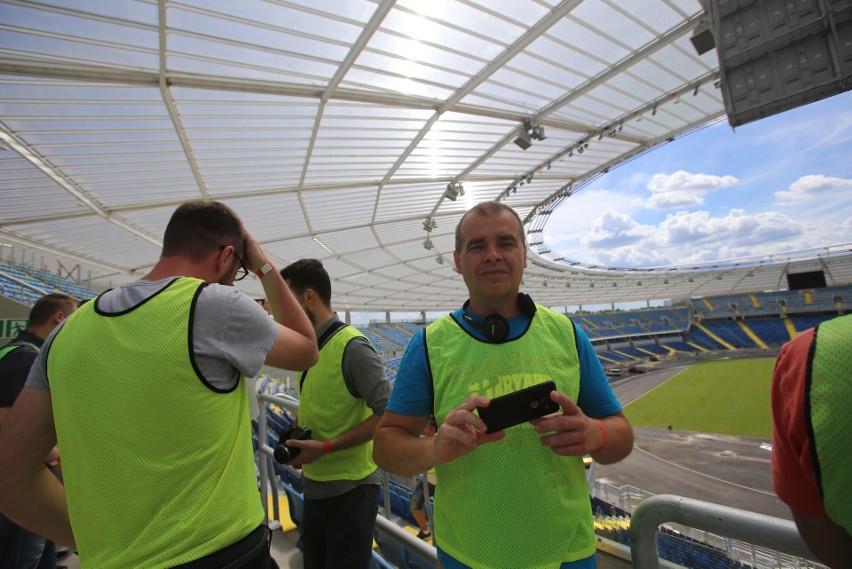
(231, 333)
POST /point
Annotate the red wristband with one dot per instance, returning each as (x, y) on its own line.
(265, 269)
(603, 436)
(327, 446)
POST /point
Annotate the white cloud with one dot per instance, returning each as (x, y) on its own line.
(614, 229)
(683, 189)
(633, 256)
(812, 187)
(683, 238)
(574, 218)
(738, 227)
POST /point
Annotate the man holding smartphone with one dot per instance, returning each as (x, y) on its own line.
(527, 481)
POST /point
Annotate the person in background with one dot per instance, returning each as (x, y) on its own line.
(812, 437)
(341, 400)
(19, 548)
(516, 497)
(418, 497)
(143, 388)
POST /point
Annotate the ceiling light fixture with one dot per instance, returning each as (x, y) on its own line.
(528, 131)
(453, 191)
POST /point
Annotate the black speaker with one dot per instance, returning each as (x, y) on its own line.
(702, 40)
(495, 327)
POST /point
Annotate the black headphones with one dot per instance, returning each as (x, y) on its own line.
(495, 327)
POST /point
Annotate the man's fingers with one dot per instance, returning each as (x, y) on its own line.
(473, 402)
(567, 404)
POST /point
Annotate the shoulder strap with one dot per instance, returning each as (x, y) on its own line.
(11, 347)
(326, 336)
(329, 333)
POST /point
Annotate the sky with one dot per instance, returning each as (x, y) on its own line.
(782, 183)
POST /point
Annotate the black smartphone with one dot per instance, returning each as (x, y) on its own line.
(519, 407)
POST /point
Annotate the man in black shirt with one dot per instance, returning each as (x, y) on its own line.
(20, 548)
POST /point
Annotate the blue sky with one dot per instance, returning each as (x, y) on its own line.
(778, 184)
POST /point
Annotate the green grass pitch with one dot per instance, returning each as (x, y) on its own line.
(728, 397)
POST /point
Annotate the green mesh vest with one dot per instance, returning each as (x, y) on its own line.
(513, 503)
(830, 395)
(328, 409)
(158, 468)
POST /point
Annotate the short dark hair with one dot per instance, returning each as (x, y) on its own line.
(48, 305)
(308, 273)
(488, 208)
(199, 227)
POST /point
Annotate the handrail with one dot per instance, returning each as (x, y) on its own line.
(22, 283)
(759, 529)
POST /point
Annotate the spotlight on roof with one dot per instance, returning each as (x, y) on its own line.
(527, 132)
(439, 259)
(427, 244)
(453, 191)
(429, 224)
(523, 139)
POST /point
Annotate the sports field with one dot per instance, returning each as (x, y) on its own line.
(726, 397)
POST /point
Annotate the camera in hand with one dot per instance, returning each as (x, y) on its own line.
(285, 453)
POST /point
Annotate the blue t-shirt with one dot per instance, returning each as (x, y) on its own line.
(413, 394)
(412, 391)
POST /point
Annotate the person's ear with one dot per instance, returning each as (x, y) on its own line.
(457, 261)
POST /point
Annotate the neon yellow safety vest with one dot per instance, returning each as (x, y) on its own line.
(158, 467)
(328, 409)
(512, 503)
(830, 390)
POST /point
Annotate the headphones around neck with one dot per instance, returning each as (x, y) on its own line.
(495, 327)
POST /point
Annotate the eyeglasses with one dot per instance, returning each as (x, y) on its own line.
(242, 272)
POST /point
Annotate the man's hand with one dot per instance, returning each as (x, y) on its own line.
(253, 256)
(573, 433)
(462, 431)
(311, 451)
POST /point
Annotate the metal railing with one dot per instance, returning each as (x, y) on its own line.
(761, 530)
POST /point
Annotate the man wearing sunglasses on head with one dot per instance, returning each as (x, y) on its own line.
(143, 389)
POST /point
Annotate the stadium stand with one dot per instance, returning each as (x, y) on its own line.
(29, 282)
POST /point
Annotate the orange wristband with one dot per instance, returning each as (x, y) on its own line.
(327, 446)
(603, 436)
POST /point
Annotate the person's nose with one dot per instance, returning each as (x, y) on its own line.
(493, 253)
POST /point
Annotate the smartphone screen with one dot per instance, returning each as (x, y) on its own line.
(518, 407)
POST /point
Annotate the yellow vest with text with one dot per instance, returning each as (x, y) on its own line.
(830, 395)
(158, 466)
(512, 503)
(328, 409)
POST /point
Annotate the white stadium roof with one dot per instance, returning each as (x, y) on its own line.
(339, 130)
